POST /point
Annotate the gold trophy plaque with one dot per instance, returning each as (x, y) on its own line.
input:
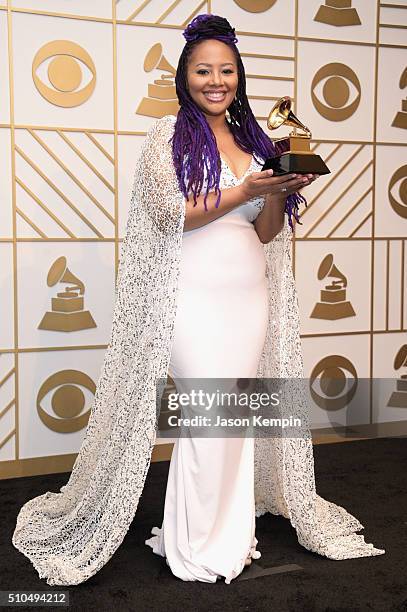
(298, 158)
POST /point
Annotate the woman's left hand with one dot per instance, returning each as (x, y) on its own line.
(306, 180)
(309, 178)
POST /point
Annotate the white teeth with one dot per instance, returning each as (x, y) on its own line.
(215, 96)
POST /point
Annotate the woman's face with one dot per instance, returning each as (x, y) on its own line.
(212, 76)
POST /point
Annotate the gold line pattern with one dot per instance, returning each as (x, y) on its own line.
(402, 283)
(396, 6)
(192, 15)
(394, 286)
(44, 208)
(85, 160)
(339, 198)
(171, 7)
(16, 429)
(329, 183)
(30, 223)
(8, 406)
(138, 10)
(274, 98)
(387, 282)
(58, 191)
(356, 204)
(266, 56)
(392, 25)
(7, 438)
(268, 77)
(357, 228)
(158, 22)
(71, 175)
(99, 146)
(7, 376)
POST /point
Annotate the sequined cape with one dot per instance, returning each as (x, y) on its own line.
(71, 534)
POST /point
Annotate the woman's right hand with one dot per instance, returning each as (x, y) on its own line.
(263, 183)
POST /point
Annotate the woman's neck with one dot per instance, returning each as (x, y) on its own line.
(218, 124)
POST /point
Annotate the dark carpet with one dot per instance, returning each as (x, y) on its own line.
(367, 477)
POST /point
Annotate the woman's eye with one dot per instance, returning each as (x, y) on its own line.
(225, 71)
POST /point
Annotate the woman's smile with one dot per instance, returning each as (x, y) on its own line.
(215, 96)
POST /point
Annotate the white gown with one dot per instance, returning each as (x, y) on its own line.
(208, 527)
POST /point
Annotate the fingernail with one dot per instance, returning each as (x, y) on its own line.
(270, 171)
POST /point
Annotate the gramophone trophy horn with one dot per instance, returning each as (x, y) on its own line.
(298, 157)
(281, 113)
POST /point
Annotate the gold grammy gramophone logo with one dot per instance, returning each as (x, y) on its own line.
(162, 98)
(333, 304)
(400, 120)
(398, 398)
(65, 73)
(338, 13)
(67, 312)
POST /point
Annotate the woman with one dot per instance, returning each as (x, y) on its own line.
(209, 515)
(235, 268)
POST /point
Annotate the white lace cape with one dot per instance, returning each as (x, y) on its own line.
(70, 535)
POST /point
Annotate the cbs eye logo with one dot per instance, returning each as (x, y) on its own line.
(67, 401)
(340, 88)
(67, 66)
(399, 207)
(336, 390)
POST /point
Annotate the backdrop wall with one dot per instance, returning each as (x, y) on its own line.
(81, 81)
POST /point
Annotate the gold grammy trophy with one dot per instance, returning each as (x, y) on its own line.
(299, 157)
(333, 304)
(67, 308)
(398, 398)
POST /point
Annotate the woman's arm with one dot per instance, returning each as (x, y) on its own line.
(197, 216)
(270, 220)
(254, 185)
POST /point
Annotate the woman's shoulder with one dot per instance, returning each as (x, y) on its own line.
(163, 127)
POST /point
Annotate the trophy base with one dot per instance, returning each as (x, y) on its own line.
(332, 312)
(400, 120)
(67, 321)
(337, 16)
(398, 400)
(298, 163)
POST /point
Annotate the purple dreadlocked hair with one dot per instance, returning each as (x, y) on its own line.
(194, 145)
